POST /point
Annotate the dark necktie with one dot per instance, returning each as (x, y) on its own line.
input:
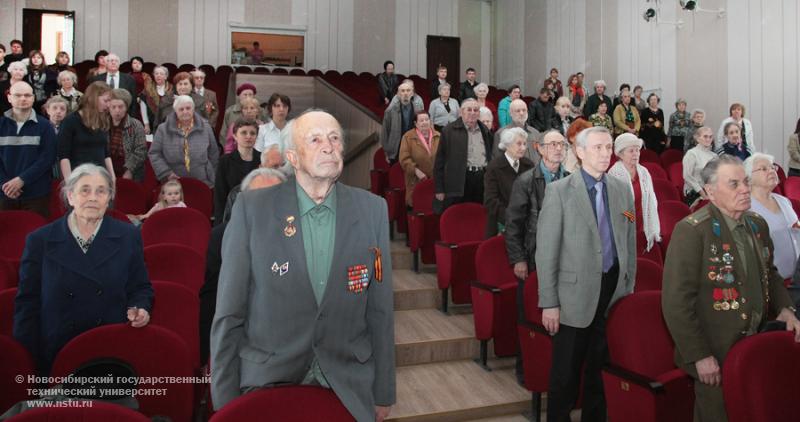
(603, 227)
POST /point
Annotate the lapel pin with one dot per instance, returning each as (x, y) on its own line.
(284, 268)
(275, 267)
(290, 229)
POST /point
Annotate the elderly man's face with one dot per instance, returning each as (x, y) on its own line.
(319, 146)
(731, 193)
(600, 89)
(112, 64)
(519, 112)
(183, 87)
(90, 197)
(199, 79)
(272, 158)
(764, 174)
(405, 92)
(118, 109)
(470, 113)
(20, 95)
(698, 118)
(553, 148)
(596, 155)
(185, 112)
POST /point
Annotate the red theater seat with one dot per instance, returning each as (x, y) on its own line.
(185, 226)
(285, 404)
(675, 173)
(7, 297)
(462, 228)
(130, 197)
(641, 381)
(423, 224)
(14, 228)
(670, 157)
(379, 174)
(176, 308)
(791, 187)
(669, 214)
(9, 273)
(648, 275)
(494, 299)
(154, 352)
(655, 170)
(648, 156)
(198, 195)
(16, 361)
(665, 191)
(759, 378)
(176, 263)
(395, 195)
(536, 346)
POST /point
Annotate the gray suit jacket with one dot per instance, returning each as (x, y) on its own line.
(268, 327)
(569, 256)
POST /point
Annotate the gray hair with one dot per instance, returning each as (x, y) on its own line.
(600, 82)
(442, 86)
(180, 100)
(709, 173)
(751, 160)
(466, 101)
(583, 136)
(485, 112)
(289, 143)
(69, 73)
(266, 173)
(15, 65)
(700, 130)
(407, 82)
(482, 86)
(510, 135)
(57, 99)
(159, 67)
(198, 72)
(540, 139)
(80, 172)
(111, 56)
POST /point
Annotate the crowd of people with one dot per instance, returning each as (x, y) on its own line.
(531, 174)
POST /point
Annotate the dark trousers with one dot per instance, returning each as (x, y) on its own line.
(518, 370)
(572, 349)
(676, 142)
(473, 190)
(40, 206)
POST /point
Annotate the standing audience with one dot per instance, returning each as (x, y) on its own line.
(83, 137)
(387, 83)
(500, 175)
(652, 124)
(67, 80)
(745, 128)
(233, 167)
(126, 140)
(443, 110)
(694, 161)
(503, 116)
(397, 120)
(679, 124)
(417, 152)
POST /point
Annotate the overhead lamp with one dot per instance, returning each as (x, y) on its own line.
(650, 13)
(688, 4)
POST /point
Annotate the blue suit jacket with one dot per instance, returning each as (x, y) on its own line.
(64, 292)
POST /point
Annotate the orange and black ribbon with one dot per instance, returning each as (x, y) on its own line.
(378, 264)
(630, 216)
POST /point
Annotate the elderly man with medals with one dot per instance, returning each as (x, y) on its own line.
(720, 284)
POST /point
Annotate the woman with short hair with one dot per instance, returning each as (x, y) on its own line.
(154, 92)
(698, 120)
(233, 167)
(652, 118)
(693, 163)
(679, 124)
(418, 152)
(500, 175)
(444, 110)
(16, 72)
(184, 145)
(734, 144)
(626, 116)
(126, 140)
(481, 92)
(737, 112)
(84, 270)
(183, 85)
(67, 79)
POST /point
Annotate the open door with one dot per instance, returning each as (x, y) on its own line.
(50, 31)
(445, 51)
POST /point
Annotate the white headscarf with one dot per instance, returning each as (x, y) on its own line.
(651, 224)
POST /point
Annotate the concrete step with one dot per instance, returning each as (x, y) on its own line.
(427, 335)
(402, 258)
(415, 291)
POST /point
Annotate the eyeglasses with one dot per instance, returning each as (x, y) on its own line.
(555, 145)
(774, 168)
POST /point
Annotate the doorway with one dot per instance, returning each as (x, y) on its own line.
(50, 31)
(445, 51)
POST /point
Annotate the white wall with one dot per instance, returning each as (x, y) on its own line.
(566, 36)
(414, 21)
(100, 25)
(203, 30)
(329, 40)
(10, 21)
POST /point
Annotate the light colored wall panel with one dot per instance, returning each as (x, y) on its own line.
(414, 21)
(203, 32)
(100, 24)
(11, 21)
(509, 42)
(535, 46)
(260, 12)
(601, 42)
(566, 40)
(153, 30)
(329, 41)
(373, 34)
(471, 31)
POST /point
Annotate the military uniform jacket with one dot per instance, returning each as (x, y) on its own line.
(707, 301)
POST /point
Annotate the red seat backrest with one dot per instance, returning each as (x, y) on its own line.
(198, 195)
(422, 197)
(491, 263)
(670, 157)
(290, 403)
(176, 308)
(379, 160)
(15, 226)
(531, 298)
(670, 213)
(9, 274)
(675, 173)
(665, 191)
(185, 226)
(175, 263)
(791, 187)
(649, 275)
(154, 352)
(655, 170)
(397, 178)
(16, 362)
(130, 197)
(648, 156)
(463, 223)
(7, 298)
(638, 339)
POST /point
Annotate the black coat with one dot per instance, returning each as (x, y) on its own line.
(450, 166)
(126, 82)
(497, 184)
(540, 115)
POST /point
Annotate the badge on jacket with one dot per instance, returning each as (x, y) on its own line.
(357, 278)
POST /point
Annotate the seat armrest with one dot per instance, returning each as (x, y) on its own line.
(634, 378)
(482, 286)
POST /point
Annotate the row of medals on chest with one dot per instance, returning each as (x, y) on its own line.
(721, 271)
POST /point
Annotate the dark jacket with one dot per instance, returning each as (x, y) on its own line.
(126, 82)
(522, 215)
(387, 86)
(208, 293)
(64, 292)
(29, 154)
(450, 166)
(593, 102)
(467, 90)
(541, 114)
(231, 170)
(497, 184)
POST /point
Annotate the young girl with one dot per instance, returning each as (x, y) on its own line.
(171, 197)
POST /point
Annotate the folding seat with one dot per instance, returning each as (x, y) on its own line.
(176, 308)
(175, 263)
(118, 215)
(99, 411)
(14, 228)
(198, 195)
(656, 172)
(759, 378)
(208, 70)
(9, 273)
(675, 173)
(16, 361)
(379, 174)
(55, 203)
(332, 73)
(781, 174)
(7, 297)
(671, 156)
(171, 67)
(130, 197)
(655, 254)
(791, 187)
(641, 381)
(285, 404)
(367, 76)
(536, 346)
(185, 226)
(395, 195)
(665, 191)
(494, 299)
(186, 67)
(648, 275)
(148, 67)
(297, 72)
(462, 228)
(265, 70)
(243, 69)
(648, 156)
(154, 352)
(669, 214)
(423, 224)
(315, 72)
(150, 183)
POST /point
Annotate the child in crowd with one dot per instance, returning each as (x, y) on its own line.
(171, 197)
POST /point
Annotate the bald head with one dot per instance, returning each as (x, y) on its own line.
(316, 147)
(20, 95)
(519, 112)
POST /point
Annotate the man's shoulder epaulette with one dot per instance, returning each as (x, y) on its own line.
(699, 216)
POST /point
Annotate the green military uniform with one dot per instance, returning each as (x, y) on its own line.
(719, 286)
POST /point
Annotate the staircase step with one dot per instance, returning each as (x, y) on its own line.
(507, 418)
(402, 258)
(458, 391)
(415, 291)
(427, 335)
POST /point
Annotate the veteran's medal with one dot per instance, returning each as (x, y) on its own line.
(290, 229)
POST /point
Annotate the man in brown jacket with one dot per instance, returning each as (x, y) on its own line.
(720, 284)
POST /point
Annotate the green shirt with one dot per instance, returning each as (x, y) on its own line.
(318, 224)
